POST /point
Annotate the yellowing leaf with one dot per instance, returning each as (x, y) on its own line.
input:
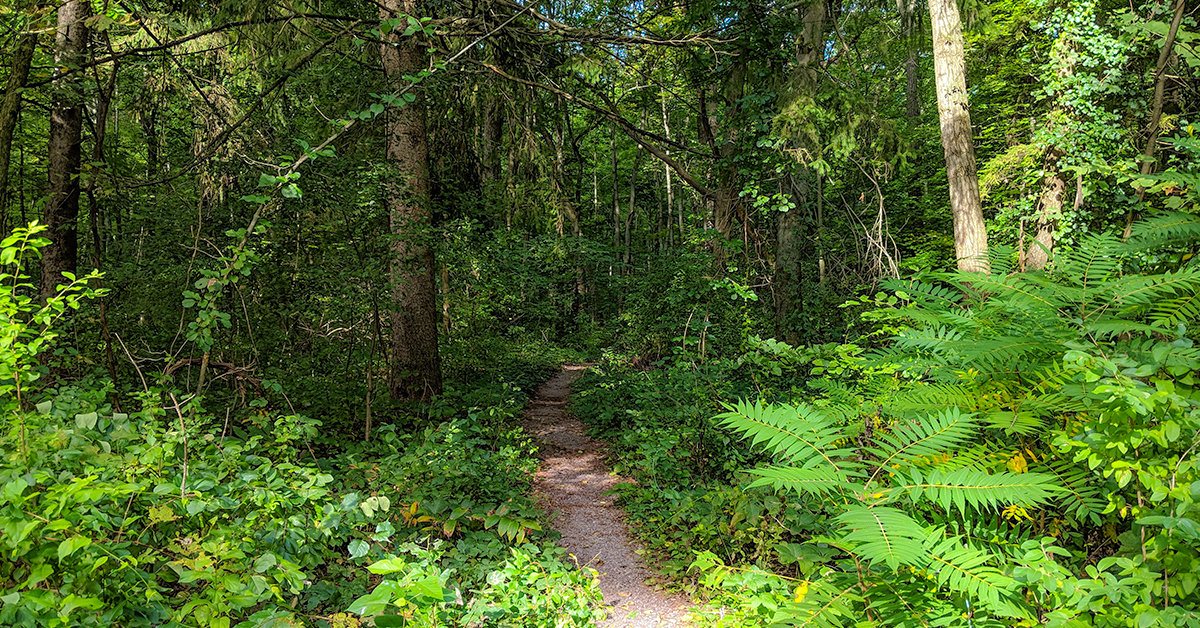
(1017, 464)
(801, 591)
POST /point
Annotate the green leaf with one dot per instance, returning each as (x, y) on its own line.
(388, 566)
(44, 407)
(358, 548)
(71, 545)
(387, 621)
(86, 421)
(265, 562)
(884, 535)
(978, 489)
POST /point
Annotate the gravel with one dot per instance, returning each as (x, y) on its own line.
(572, 482)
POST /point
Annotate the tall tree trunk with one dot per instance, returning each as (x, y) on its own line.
(616, 200)
(970, 232)
(1160, 85)
(493, 121)
(787, 280)
(416, 371)
(66, 126)
(788, 297)
(667, 172)
(908, 26)
(103, 101)
(22, 59)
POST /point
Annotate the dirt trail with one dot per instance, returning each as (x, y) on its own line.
(573, 479)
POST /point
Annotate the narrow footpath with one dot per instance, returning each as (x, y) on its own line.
(572, 480)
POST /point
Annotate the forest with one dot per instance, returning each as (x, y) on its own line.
(878, 313)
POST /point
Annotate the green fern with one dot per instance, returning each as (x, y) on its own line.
(970, 571)
(978, 489)
(884, 535)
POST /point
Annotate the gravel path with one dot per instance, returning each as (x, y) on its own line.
(572, 480)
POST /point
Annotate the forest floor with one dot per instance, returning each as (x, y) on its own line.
(573, 482)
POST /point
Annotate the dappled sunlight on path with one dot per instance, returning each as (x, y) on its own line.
(573, 480)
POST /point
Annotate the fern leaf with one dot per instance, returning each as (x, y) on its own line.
(932, 397)
(1171, 312)
(1093, 261)
(1163, 229)
(924, 436)
(929, 339)
(800, 433)
(1078, 497)
(823, 606)
(1003, 349)
(980, 490)
(965, 570)
(817, 481)
(1019, 422)
(886, 535)
(1149, 289)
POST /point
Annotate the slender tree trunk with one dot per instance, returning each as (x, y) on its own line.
(667, 174)
(493, 121)
(66, 127)
(446, 299)
(970, 232)
(820, 230)
(9, 110)
(631, 213)
(103, 101)
(1160, 85)
(909, 24)
(416, 371)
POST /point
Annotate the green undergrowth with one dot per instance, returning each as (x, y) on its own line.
(162, 513)
(685, 498)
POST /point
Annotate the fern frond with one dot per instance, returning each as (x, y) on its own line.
(966, 570)
(931, 397)
(1019, 422)
(924, 436)
(1171, 312)
(882, 534)
(1163, 229)
(971, 487)
(1003, 349)
(824, 606)
(816, 481)
(1149, 289)
(927, 294)
(1093, 261)
(799, 433)
(928, 339)
(1078, 497)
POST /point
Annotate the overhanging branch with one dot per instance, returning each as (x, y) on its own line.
(634, 133)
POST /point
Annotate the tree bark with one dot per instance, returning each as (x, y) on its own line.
(416, 371)
(493, 121)
(1051, 202)
(908, 25)
(66, 126)
(788, 297)
(9, 110)
(787, 279)
(970, 232)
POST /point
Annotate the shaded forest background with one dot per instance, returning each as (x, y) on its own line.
(351, 232)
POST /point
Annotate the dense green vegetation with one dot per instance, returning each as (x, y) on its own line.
(278, 277)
